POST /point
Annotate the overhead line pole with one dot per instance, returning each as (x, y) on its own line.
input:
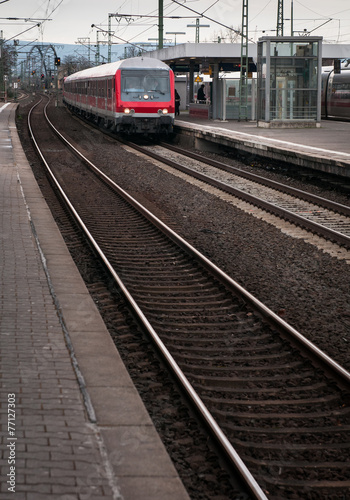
(280, 19)
(160, 24)
(197, 26)
(243, 80)
(110, 37)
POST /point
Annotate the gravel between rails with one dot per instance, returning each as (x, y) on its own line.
(307, 287)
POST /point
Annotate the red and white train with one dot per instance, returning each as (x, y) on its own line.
(135, 95)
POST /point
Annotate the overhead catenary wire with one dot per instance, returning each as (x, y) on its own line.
(213, 20)
(115, 36)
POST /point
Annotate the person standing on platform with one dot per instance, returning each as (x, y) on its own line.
(201, 97)
(177, 103)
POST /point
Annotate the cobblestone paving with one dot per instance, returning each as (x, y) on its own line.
(48, 447)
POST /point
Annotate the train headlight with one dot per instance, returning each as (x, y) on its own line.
(146, 96)
(129, 111)
(163, 111)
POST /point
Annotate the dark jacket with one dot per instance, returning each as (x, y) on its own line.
(201, 94)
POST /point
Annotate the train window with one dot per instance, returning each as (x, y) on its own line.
(101, 88)
(132, 84)
(139, 81)
(341, 86)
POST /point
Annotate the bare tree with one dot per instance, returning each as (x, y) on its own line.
(72, 64)
(131, 51)
(7, 62)
(228, 35)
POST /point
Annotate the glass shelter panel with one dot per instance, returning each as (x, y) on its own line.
(293, 87)
(232, 98)
(261, 77)
(295, 49)
(288, 80)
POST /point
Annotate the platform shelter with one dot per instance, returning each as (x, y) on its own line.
(289, 81)
(214, 61)
(208, 59)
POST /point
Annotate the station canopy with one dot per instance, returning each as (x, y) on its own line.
(189, 57)
(204, 56)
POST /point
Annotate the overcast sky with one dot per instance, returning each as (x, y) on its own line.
(72, 19)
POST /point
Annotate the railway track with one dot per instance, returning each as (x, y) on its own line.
(278, 405)
(321, 216)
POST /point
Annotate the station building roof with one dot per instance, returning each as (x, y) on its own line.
(179, 57)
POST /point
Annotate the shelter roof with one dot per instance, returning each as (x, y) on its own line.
(199, 53)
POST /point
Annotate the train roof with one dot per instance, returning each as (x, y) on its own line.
(111, 68)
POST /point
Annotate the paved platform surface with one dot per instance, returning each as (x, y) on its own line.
(72, 423)
(326, 148)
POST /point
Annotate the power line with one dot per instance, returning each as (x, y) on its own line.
(209, 18)
(34, 20)
(115, 36)
(35, 25)
(140, 16)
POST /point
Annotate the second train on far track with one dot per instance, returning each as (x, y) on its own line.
(134, 96)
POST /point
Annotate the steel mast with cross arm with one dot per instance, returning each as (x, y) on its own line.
(243, 80)
(280, 18)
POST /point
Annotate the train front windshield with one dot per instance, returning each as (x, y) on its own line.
(143, 85)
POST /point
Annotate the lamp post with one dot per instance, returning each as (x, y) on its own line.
(176, 33)
(165, 40)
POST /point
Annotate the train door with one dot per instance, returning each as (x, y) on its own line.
(329, 95)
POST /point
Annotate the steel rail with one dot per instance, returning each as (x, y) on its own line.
(313, 198)
(298, 220)
(209, 420)
(220, 437)
(282, 326)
